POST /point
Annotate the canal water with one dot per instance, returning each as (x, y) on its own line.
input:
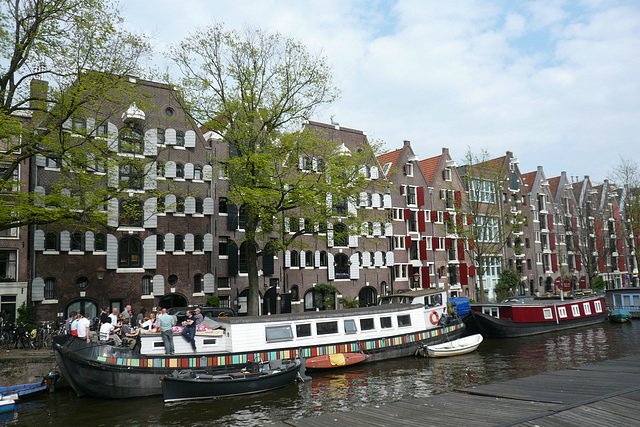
(373, 384)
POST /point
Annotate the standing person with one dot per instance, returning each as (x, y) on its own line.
(104, 315)
(140, 318)
(67, 323)
(127, 313)
(114, 316)
(84, 324)
(165, 323)
(198, 317)
(74, 325)
(189, 331)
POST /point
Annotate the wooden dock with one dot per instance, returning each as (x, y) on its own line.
(599, 394)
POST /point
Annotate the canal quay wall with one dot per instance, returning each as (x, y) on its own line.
(600, 394)
(21, 366)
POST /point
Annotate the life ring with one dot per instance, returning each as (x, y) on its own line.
(434, 317)
(223, 314)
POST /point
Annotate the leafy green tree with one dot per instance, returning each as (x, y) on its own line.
(213, 301)
(255, 90)
(509, 279)
(598, 284)
(64, 72)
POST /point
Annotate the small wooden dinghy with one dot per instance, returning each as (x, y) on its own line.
(452, 348)
(336, 360)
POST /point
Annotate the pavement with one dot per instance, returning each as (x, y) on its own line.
(22, 354)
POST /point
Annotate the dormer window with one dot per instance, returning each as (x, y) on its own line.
(408, 169)
(446, 174)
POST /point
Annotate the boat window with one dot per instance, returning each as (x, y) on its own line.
(209, 341)
(598, 306)
(366, 324)
(434, 300)
(325, 328)
(617, 300)
(575, 310)
(303, 330)
(350, 326)
(279, 333)
(562, 312)
(547, 313)
(491, 311)
(587, 308)
(385, 322)
(404, 320)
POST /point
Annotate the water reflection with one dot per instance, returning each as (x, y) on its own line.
(372, 384)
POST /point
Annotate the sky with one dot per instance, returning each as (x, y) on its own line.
(555, 82)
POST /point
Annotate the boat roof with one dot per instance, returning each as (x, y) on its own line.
(313, 315)
(416, 293)
(538, 302)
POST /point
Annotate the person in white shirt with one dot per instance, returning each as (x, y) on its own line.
(107, 330)
(114, 316)
(83, 327)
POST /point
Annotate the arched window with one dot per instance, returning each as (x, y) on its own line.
(197, 172)
(130, 141)
(295, 261)
(100, 244)
(179, 138)
(146, 285)
(161, 136)
(160, 204)
(179, 170)
(323, 259)
(367, 297)
(178, 243)
(50, 288)
(197, 283)
(131, 213)
(312, 300)
(159, 243)
(130, 252)
(51, 241)
(76, 241)
(340, 235)
(342, 266)
(308, 259)
(199, 206)
(383, 288)
(82, 305)
(198, 243)
(180, 204)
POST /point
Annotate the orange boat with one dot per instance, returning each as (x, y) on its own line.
(335, 360)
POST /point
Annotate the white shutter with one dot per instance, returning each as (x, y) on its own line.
(170, 169)
(89, 241)
(189, 139)
(209, 284)
(158, 285)
(37, 289)
(301, 223)
(363, 170)
(150, 176)
(351, 206)
(377, 259)
(189, 242)
(40, 193)
(112, 214)
(65, 241)
(390, 258)
(300, 162)
(207, 172)
(169, 242)
(208, 242)
(112, 136)
(364, 199)
(330, 238)
(314, 164)
(286, 225)
(150, 252)
(377, 229)
(329, 201)
(41, 160)
(151, 142)
(113, 177)
(303, 259)
(207, 206)
(353, 236)
(170, 203)
(374, 172)
(188, 171)
(190, 205)
(287, 258)
(316, 262)
(376, 200)
(170, 136)
(331, 268)
(387, 201)
(366, 259)
(112, 252)
(354, 268)
(150, 213)
(38, 240)
(388, 229)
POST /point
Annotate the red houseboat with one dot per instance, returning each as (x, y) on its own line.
(517, 317)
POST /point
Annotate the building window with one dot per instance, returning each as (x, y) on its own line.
(76, 241)
(223, 246)
(342, 266)
(222, 205)
(131, 176)
(160, 169)
(172, 280)
(199, 206)
(198, 243)
(131, 213)
(100, 244)
(179, 138)
(179, 171)
(161, 136)
(411, 195)
(178, 243)
(50, 288)
(197, 173)
(446, 174)
(295, 262)
(159, 243)
(78, 124)
(51, 241)
(197, 283)
(308, 259)
(131, 141)
(223, 283)
(130, 252)
(341, 236)
(180, 204)
(323, 259)
(146, 285)
(82, 282)
(8, 266)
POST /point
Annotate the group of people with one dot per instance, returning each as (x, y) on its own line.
(119, 327)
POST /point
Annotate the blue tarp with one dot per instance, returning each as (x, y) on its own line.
(462, 305)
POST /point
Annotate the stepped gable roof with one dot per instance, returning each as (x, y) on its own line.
(529, 179)
(429, 167)
(553, 185)
(390, 157)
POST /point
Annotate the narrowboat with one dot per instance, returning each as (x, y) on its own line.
(255, 377)
(529, 317)
(396, 328)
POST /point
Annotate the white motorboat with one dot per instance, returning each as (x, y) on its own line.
(452, 348)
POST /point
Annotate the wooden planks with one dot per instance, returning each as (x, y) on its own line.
(605, 393)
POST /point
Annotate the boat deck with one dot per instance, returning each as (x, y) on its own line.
(605, 393)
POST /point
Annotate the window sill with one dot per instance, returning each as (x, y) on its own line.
(198, 294)
(147, 296)
(50, 252)
(76, 252)
(130, 270)
(50, 301)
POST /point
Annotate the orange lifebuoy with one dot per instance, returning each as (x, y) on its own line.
(434, 317)
(223, 314)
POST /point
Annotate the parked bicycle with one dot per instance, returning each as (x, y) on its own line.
(18, 337)
(44, 335)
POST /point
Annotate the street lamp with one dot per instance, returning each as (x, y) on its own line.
(100, 273)
(416, 279)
